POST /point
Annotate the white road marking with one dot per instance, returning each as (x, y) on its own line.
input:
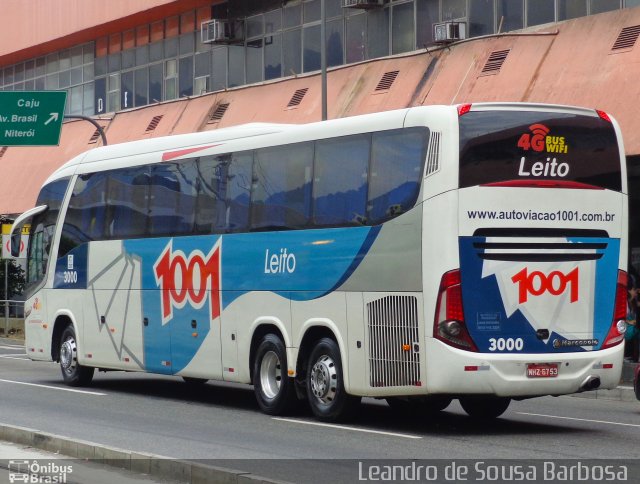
(344, 427)
(11, 347)
(579, 419)
(14, 357)
(53, 388)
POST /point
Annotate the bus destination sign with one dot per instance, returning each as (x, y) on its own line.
(31, 118)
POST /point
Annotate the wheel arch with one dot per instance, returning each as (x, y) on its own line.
(313, 332)
(62, 320)
(262, 328)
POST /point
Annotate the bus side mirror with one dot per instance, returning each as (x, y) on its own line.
(16, 238)
(20, 222)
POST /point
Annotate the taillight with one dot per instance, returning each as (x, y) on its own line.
(449, 326)
(603, 115)
(463, 109)
(618, 324)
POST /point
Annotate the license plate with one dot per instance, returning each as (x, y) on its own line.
(542, 370)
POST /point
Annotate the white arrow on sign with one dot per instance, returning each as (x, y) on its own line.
(54, 117)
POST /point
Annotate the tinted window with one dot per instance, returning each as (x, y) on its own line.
(499, 146)
(340, 200)
(127, 196)
(172, 199)
(208, 200)
(43, 229)
(282, 187)
(396, 171)
(86, 213)
(238, 191)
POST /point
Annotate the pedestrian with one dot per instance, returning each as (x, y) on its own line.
(632, 333)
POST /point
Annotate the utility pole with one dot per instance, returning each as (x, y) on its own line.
(323, 57)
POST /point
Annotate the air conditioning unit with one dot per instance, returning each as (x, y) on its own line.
(222, 31)
(362, 3)
(445, 32)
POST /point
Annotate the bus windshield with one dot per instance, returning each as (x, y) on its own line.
(500, 146)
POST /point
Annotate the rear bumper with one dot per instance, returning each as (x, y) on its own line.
(457, 372)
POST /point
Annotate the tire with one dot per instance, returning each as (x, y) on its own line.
(416, 406)
(274, 389)
(325, 385)
(73, 373)
(485, 407)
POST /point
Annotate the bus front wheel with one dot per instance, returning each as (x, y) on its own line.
(73, 373)
(484, 407)
(274, 389)
(325, 387)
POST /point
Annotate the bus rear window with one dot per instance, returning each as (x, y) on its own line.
(501, 146)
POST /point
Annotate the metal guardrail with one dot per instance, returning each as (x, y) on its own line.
(11, 309)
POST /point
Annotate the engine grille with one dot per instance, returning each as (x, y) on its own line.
(394, 350)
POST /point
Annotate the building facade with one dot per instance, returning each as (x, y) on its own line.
(173, 57)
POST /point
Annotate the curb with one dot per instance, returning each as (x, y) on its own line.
(622, 393)
(139, 462)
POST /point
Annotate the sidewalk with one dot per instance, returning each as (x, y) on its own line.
(18, 462)
(21, 448)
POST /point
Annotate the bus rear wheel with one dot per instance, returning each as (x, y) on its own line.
(485, 407)
(325, 386)
(73, 373)
(274, 389)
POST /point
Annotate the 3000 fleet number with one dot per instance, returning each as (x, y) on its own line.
(508, 344)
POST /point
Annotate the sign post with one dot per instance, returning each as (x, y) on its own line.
(31, 118)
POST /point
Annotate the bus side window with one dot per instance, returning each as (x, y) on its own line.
(281, 196)
(239, 191)
(172, 199)
(85, 216)
(340, 181)
(128, 202)
(43, 230)
(208, 200)
(397, 158)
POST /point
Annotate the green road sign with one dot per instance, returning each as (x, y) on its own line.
(31, 118)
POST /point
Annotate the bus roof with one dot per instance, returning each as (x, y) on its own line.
(253, 135)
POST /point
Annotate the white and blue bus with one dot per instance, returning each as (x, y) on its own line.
(473, 252)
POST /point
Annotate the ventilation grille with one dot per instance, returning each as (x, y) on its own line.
(394, 351)
(94, 137)
(217, 114)
(154, 123)
(387, 80)
(627, 38)
(3, 150)
(297, 97)
(495, 61)
(433, 155)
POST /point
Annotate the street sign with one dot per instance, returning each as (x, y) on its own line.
(31, 118)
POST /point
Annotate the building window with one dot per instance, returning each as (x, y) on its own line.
(510, 15)
(540, 12)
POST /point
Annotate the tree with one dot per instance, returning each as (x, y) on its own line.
(16, 280)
